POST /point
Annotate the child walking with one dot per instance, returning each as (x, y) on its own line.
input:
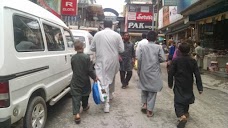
(80, 83)
(182, 69)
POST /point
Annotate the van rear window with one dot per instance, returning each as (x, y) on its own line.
(27, 34)
(54, 38)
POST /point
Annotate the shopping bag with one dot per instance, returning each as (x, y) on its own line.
(102, 93)
(96, 94)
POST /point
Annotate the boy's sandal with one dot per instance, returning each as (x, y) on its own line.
(77, 120)
(143, 109)
(181, 123)
(187, 115)
(149, 113)
(87, 108)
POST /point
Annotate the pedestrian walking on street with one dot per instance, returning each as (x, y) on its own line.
(127, 60)
(140, 43)
(199, 55)
(171, 53)
(149, 72)
(177, 52)
(80, 83)
(107, 44)
(182, 70)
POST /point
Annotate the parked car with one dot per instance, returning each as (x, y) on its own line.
(86, 37)
(35, 67)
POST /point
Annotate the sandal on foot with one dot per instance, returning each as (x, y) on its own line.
(149, 113)
(86, 108)
(187, 115)
(143, 109)
(77, 120)
(181, 123)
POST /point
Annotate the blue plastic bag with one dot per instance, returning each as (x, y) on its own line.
(96, 94)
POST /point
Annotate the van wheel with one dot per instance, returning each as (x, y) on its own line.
(36, 114)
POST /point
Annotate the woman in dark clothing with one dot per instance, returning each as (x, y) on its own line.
(80, 83)
(182, 69)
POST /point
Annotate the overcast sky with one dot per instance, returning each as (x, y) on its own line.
(114, 4)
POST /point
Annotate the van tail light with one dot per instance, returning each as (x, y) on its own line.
(4, 94)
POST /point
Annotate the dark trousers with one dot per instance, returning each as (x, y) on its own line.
(125, 77)
(76, 103)
(181, 109)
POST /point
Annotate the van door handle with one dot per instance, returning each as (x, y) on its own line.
(65, 59)
(71, 55)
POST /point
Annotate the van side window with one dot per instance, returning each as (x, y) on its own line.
(69, 39)
(54, 38)
(27, 34)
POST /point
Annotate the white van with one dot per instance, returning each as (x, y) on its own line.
(87, 38)
(35, 66)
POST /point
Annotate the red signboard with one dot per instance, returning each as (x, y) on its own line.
(45, 5)
(69, 7)
(144, 16)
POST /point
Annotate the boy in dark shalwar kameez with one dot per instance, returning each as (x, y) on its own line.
(80, 83)
(182, 69)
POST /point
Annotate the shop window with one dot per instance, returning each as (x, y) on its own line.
(27, 34)
(54, 38)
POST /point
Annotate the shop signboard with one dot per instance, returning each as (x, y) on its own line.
(184, 4)
(111, 18)
(51, 6)
(173, 15)
(166, 15)
(145, 9)
(141, 1)
(160, 18)
(131, 16)
(132, 8)
(69, 7)
(139, 26)
(169, 2)
(144, 16)
(83, 3)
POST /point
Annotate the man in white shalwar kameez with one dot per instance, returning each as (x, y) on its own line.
(149, 72)
(140, 44)
(107, 44)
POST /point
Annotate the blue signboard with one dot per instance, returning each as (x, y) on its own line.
(184, 4)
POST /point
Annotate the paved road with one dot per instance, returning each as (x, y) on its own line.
(209, 111)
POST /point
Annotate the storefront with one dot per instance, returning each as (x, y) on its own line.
(212, 24)
(138, 20)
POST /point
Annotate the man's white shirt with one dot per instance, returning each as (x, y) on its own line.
(140, 44)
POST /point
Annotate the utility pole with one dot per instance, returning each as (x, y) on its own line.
(153, 18)
(153, 5)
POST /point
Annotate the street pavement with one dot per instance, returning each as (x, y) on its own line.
(209, 110)
(211, 81)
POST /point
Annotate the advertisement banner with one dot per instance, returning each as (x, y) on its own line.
(131, 16)
(173, 15)
(144, 16)
(166, 15)
(69, 7)
(145, 9)
(132, 8)
(43, 3)
(169, 2)
(160, 18)
(139, 26)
